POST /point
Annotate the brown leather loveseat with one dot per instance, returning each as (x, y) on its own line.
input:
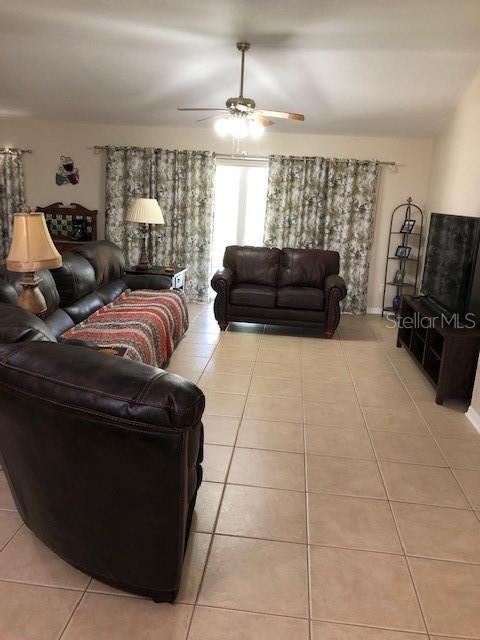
(297, 287)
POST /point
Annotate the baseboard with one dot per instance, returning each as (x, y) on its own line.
(474, 417)
(374, 310)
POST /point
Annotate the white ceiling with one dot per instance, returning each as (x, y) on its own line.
(371, 67)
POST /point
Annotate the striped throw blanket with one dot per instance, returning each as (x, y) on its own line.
(148, 324)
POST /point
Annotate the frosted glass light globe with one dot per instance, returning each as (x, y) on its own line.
(239, 128)
(255, 129)
(222, 127)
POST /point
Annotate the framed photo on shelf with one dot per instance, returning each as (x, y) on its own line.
(408, 225)
(398, 277)
(402, 251)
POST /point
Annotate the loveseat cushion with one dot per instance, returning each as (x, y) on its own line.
(301, 268)
(301, 298)
(253, 265)
(253, 295)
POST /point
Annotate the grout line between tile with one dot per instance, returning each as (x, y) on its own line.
(74, 610)
(212, 537)
(417, 596)
(307, 516)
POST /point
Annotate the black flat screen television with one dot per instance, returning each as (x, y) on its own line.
(451, 275)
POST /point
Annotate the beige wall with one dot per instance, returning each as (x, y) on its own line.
(49, 140)
(455, 177)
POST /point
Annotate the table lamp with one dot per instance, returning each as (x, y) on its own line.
(32, 249)
(145, 211)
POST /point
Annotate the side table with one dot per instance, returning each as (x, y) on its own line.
(177, 276)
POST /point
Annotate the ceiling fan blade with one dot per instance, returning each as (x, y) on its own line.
(265, 121)
(281, 114)
(200, 109)
(206, 118)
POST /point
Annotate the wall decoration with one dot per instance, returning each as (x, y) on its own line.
(67, 172)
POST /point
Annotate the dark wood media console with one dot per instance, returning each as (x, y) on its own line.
(447, 355)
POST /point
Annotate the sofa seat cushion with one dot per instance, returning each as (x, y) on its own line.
(253, 295)
(148, 324)
(301, 298)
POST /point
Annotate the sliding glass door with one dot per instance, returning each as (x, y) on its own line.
(240, 198)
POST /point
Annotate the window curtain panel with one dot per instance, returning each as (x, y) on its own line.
(183, 184)
(321, 203)
(12, 195)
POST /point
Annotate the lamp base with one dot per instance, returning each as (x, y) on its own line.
(143, 263)
(31, 299)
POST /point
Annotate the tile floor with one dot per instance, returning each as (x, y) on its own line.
(339, 503)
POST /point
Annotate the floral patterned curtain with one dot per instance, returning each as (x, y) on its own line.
(325, 204)
(183, 184)
(12, 195)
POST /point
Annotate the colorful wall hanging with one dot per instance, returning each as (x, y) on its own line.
(67, 173)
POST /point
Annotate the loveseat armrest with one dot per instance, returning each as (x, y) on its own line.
(153, 281)
(221, 283)
(335, 290)
(222, 278)
(335, 281)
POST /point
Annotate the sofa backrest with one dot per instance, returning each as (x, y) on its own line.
(10, 287)
(90, 277)
(19, 325)
(255, 265)
(306, 267)
(106, 258)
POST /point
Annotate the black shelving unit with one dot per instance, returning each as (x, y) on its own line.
(406, 267)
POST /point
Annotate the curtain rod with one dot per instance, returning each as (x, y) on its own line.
(12, 149)
(103, 147)
(239, 156)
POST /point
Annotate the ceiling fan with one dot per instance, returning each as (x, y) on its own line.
(243, 117)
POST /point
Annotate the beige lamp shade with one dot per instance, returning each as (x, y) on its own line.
(146, 210)
(32, 248)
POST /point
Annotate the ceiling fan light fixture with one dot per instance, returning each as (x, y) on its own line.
(238, 127)
(222, 127)
(243, 118)
(255, 129)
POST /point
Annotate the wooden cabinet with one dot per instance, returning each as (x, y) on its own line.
(446, 354)
(62, 219)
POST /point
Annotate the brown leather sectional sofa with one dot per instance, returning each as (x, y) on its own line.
(297, 287)
(102, 454)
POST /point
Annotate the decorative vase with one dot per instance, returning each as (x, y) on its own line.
(396, 303)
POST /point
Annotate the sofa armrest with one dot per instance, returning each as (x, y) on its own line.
(103, 455)
(153, 281)
(75, 378)
(221, 283)
(335, 290)
(337, 282)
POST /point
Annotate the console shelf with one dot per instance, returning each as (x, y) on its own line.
(447, 355)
